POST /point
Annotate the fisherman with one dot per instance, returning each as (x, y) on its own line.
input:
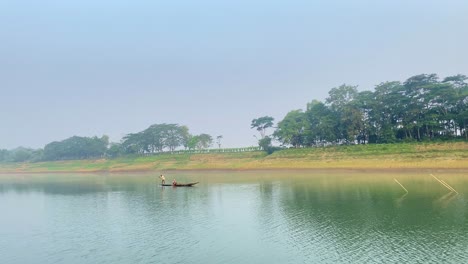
(174, 183)
(163, 179)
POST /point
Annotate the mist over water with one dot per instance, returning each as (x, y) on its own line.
(234, 217)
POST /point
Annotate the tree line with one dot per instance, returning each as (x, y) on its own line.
(421, 108)
(161, 137)
(156, 138)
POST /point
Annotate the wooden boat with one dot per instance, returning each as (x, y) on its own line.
(181, 184)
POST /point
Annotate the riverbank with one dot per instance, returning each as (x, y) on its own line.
(452, 155)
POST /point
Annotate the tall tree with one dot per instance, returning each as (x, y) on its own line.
(364, 104)
(218, 140)
(261, 124)
(21, 154)
(135, 143)
(173, 136)
(115, 150)
(291, 130)
(184, 130)
(76, 148)
(460, 110)
(386, 111)
(321, 124)
(416, 102)
(192, 143)
(265, 144)
(347, 115)
(204, 141)
(339, 97)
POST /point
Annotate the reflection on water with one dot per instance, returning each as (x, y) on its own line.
(234, 217)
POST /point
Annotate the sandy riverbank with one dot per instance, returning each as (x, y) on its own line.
(435, 156)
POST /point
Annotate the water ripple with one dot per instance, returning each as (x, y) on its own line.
(265, 220)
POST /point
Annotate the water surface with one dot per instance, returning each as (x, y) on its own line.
(234, 217)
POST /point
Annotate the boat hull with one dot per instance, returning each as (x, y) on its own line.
(181, 184)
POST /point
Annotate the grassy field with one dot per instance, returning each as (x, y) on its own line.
(453, 155)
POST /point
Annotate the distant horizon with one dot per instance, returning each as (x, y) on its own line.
(93, 68)
(255, 136)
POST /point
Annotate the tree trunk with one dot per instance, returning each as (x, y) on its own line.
(466, 132)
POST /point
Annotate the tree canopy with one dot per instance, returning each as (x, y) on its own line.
(421, 108)
(155, 139)
(161, 137)
(76, 148)
(261, 124)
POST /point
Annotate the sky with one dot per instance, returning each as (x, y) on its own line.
(113, 67)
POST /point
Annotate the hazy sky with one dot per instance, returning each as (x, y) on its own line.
(90, 67)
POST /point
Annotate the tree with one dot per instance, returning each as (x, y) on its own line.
(173, 136)
(4, 155)
(416, 103)
(21, 154)
(218, 140)
(460, 109)
(347, 115)
(192, 143)
(204, 141)
(265, 144)
(341, 96)
(386, 111)
(115, 150)
(365, 103)
(184, 131)
(37, 155)
(135, 143)
(76, 148)
(321, 124)
(156, 138)
(292, 128)
(261, 124)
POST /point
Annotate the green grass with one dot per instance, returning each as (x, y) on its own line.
(384, 156)
(376, 150)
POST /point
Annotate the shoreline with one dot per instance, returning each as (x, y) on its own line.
(212, 170)
(386, 157)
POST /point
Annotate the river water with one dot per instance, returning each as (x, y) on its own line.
(235, 217)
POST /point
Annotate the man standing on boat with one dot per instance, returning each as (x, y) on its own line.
(163, 179)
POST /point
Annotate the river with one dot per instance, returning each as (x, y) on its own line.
(235, 217)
